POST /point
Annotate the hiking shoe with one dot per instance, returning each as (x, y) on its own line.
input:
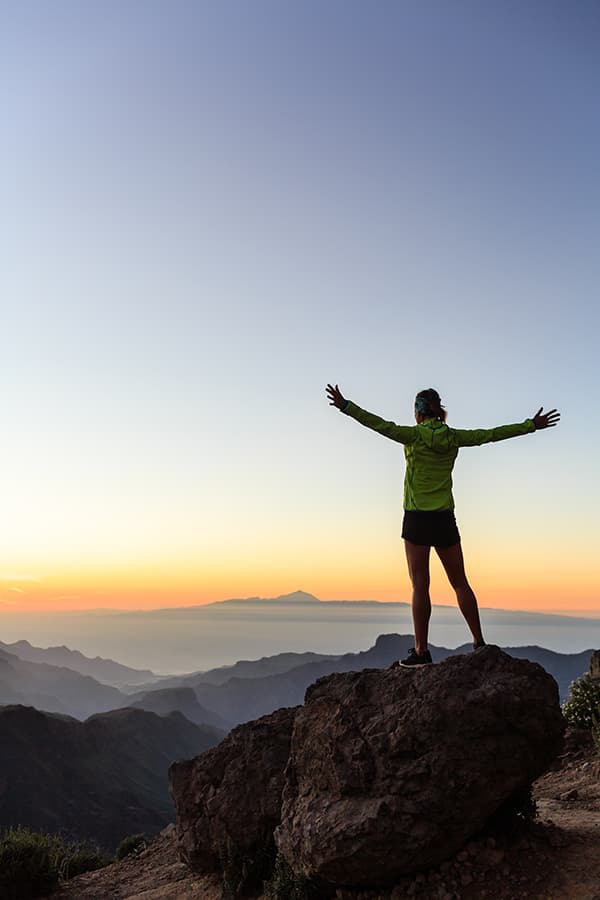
(414, 659)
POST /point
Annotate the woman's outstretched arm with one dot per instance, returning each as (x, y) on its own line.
(476, 436)
(403, 434)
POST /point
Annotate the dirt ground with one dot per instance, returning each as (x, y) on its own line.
(155, 874)
(569, 797)
(556, 859)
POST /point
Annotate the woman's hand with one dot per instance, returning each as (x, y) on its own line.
(547, 420)
(335, 397)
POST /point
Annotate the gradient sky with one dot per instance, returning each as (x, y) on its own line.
(211, 209)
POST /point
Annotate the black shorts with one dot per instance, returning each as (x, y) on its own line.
(430, 529)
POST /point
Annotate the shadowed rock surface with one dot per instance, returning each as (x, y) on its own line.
(392, 771)
(387, 771)
(230, 797)
(556, 860)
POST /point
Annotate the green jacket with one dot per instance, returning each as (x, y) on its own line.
(431, 449)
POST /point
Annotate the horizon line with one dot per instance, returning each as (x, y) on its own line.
(286, 599)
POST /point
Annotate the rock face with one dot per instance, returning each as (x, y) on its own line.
(392, 771)
(595, 665)
(229, 799)
(381, 773)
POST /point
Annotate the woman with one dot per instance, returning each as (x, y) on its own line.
(431, 448)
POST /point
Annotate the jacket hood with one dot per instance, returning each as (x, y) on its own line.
(435, 435)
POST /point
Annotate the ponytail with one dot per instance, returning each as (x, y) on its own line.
(428, 403)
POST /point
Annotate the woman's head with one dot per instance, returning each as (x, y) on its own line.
(428, 405)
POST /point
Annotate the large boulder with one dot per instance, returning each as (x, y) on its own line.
(393, 770)
(228, 799)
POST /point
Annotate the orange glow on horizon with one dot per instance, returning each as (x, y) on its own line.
(520, 588)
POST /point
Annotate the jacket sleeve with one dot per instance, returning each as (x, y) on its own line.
(403, 434)
(476, 436)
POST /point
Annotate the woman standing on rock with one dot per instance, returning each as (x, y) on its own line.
(431, 448)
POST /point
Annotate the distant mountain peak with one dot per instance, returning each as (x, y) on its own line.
(296, 597)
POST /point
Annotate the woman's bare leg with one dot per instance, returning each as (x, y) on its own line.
(453, 563)
(417, 558)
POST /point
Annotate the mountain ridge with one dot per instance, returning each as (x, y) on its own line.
(300, 597)
(106, 671)
(239, 699)
(228, 695)
(96, 780)
(53, 688)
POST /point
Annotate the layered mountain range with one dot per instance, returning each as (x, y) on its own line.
(221, 697)
(106, 776)
(105, 670)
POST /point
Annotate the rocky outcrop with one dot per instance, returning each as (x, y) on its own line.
(393, 771)
(229, 799)
(389, 771)
(558, 860)
(595, 666)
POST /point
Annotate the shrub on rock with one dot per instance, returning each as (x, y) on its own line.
(133, 843)
(582, 709)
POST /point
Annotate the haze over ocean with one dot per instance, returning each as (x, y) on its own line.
(210, 211)
(175, 641)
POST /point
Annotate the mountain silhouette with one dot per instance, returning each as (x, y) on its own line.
(257, 688)
(54, 688)
(97, 780)
(106, 671)
(178, 699)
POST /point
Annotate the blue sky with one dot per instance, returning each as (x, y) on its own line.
(212, 209)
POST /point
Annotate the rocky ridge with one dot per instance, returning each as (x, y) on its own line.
(389, 772)
(555, 858)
